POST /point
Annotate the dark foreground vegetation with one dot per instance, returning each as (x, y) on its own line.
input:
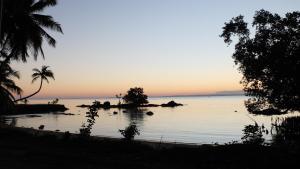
(26, 148)
(269, 60)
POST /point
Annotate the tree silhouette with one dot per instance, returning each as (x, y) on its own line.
(43, 75)
(23, 28)
(119, 97)
(8, 86)
(136, 96)
(85, 130)
(130, 132)
(269, 60)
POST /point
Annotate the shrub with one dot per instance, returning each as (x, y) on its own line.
(85, 129)
(96, 104)
(253, 134)
(106, 105)
(130, 132)
(286, 131)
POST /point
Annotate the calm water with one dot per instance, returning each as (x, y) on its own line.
(201, 119)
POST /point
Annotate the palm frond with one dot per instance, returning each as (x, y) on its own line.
(12, 87)
(44, 68)
(49, 74)
(36, 70)
(47, 22)
(26, 28)
(46, 79)
(34, 78)
(51, 41)
(42, 4)
(15, 74)
(6, 94)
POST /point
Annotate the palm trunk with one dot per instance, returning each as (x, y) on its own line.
(31, 94)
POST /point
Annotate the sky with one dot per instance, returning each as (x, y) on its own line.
(168, 47)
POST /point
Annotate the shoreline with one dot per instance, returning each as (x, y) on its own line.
(34, 149)
(60, 134)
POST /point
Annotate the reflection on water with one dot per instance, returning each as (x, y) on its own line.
(201, 119)
(135, 115)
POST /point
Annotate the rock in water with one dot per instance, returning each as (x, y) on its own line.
(149, 113)
(42, 127)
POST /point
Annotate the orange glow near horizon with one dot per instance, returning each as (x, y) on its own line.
(105, 87)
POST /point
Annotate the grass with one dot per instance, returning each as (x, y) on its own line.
(22, 148)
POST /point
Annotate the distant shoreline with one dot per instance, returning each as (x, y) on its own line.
(171, 96)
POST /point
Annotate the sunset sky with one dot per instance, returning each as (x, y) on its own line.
(168, 47)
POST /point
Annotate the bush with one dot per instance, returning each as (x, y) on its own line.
(85, 130)
(106, 105)
(253, 134)
(130, 132)
(286, 131)
(96, 104)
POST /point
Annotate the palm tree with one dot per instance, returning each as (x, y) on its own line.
(8, 86)
(43, 75)
(23, 28)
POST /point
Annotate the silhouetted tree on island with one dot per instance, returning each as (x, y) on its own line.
(119, 97)
(269, 60)
(43, 75)
(136, 96)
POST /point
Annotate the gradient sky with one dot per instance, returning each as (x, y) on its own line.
(168, 47)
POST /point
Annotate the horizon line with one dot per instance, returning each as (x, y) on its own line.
(111, 97)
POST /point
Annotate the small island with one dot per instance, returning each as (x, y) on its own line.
(135, 98)
(37, 108)
(129, 106)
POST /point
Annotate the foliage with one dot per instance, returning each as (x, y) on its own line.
(106, 105)
(96, 104)
(24, 28)
(269, 60)
(43, 75)
(286, 131)
(86, 128)
(253, 134)
(119, 97)
(8, 87)
(130, 132)
(55, 101)
(23, 31)
(136, 96)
